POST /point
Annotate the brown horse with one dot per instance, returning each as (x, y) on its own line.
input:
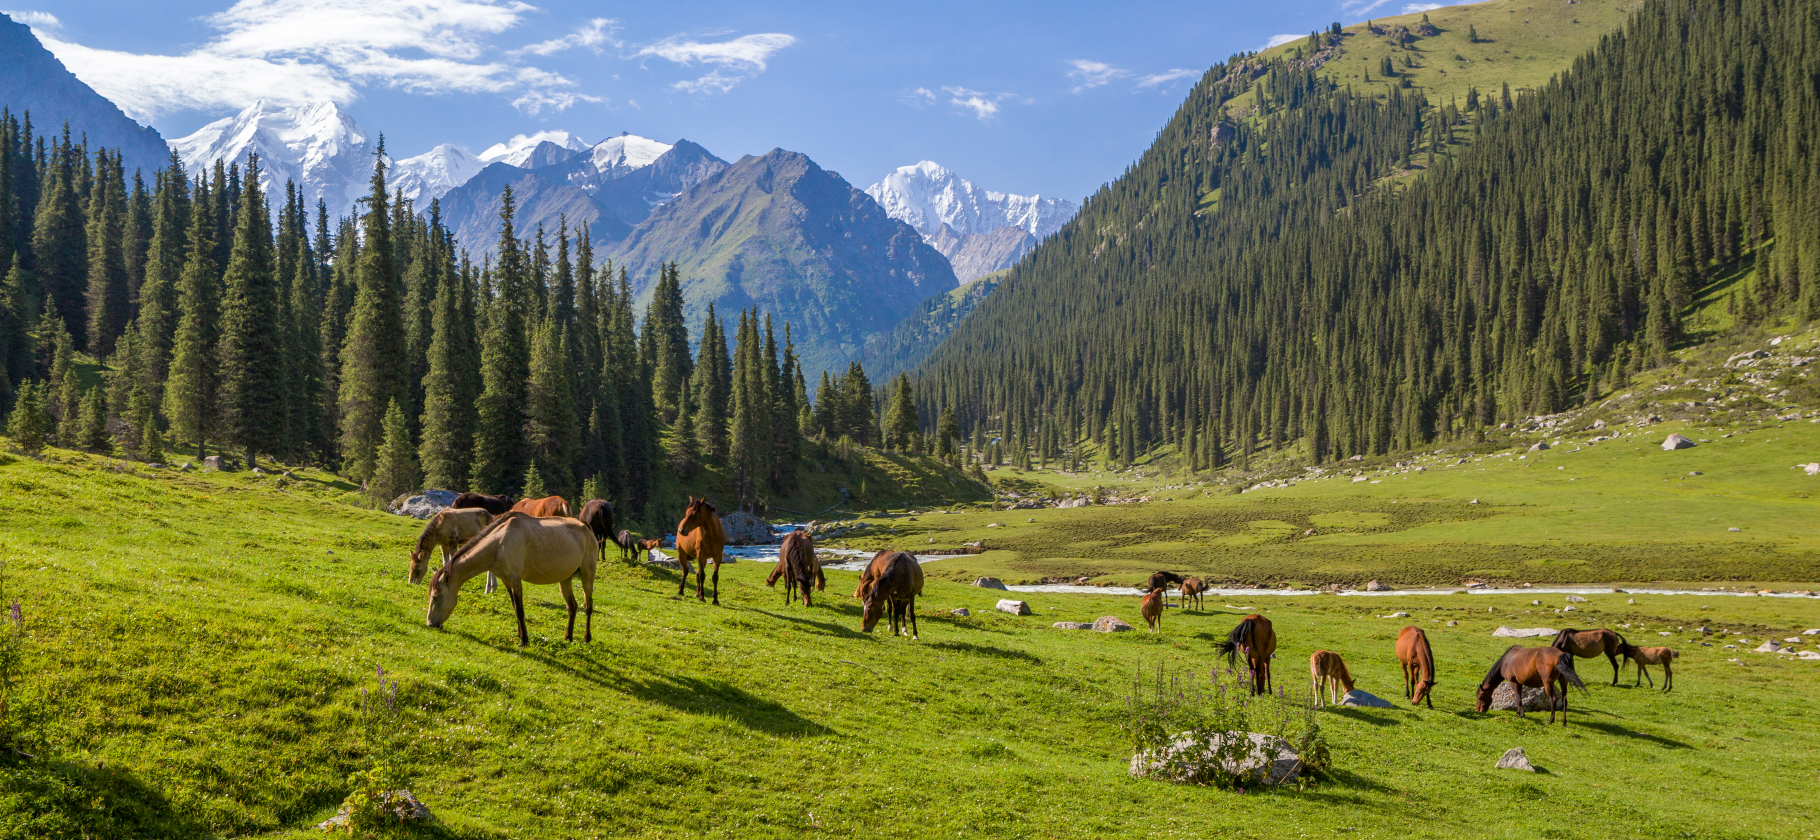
(698, 538)
(1590, 643)
(495, 505)
(522, 549)
(1151, 608)
(1163, 580)
(447, 530)
(546, 506)
(1418, 665)
(1192, 588)
(1328, 671)
(1532, 668)
(650, 544)
(1652, 656)
(1255, 638)
(598, 516)
(797, 566)
(628, 547)
(891, 582)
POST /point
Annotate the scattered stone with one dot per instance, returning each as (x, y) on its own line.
(1111, 624)
(1365, 700)
(1812, 469)
(1734, 529)
(1664, 633)
(745, 529)
(1473, 502)
(1006, 605)
(1395, 615)
(1523, 633)
(1268, 760)
(990, 583)
(1629, 601)
(1808, 654)
(1358, 478)
(187, 466)
(1575, 599)
(1072, 625)
(961, 612)
(1031, 519)
(1515, 759)
(1696, 472)
(258, 471)
(1813, 632)
(1375, 586)
(660, 561)
(1453, 623)
(1539, 446)
(995, 524)
(1770, 646)
(1536, 603)
(1678, 441)
(1504, 699)
(423, 504)
(213, 462)
(1569, 608)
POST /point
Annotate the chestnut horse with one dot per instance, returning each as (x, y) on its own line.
(521, 549)
(698, 538)
(891, 582)
(598, 516)
(1418, 665)
(1327, 670)
(1532, 668)
(1192, 588)
(627, 546)
(449, 529)
(1162, 580)
(495, 505)
(546, 506)
(1151, 608)
(1652, 656)
(1590, 643)
(1255, 638)
(797, 566)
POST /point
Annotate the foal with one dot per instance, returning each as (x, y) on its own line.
(1328, 670)
(1652, 656)
(1151, 608)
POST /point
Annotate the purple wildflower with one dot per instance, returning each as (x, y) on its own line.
(18, 616)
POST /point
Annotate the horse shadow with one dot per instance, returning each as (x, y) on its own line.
(1615, 729)
(987, 650)
(1363, 716)
(828, 628)
(689, 695)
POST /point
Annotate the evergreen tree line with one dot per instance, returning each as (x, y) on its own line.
(370, 345)
(1260, 277)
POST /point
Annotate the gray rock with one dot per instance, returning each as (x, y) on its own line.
(1365, 700)
(186, 467)
(1074, 503)
(1006, 605)
(213, 462)
(1072, 625)
(258, 471)
(1515, 759)
(1575, 599)
(670, 563)
(1770, 646)
(1539, 446)
(423, 504)
(1523, 633)
(1266, 759)
(1375, 586)
(1111, 624)
(745, 529)
(990, 583)
(1504, 699)
(1678, 441)
(961, 612)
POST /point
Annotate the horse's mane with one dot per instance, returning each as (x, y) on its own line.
(429, 528)
(1497, 667)
(1425, 657)
(1172, 577)
(1562, 638)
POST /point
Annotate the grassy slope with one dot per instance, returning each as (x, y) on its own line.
(197, 646)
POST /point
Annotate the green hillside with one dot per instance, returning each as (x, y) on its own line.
(197, 648)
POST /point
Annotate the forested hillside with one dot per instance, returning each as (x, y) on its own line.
(1244, 285)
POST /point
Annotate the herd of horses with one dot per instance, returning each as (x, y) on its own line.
(538, 541)
(1550, 668)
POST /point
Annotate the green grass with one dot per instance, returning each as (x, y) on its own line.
(197, 645)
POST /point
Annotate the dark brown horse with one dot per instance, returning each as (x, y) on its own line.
(797, 566)
(1163, 580)
(628, 547)
(1192, 588)
(546, 506)
(495, 505)
(698, 538)
(891, 582)
(1590, 643)
(1418, 665)
(598, 516)
(1255, 638)
(1532, 668)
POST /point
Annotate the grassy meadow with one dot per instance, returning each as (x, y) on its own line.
(197, 646)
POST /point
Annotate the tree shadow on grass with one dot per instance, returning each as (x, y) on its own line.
(1615, 729)
(690, 695)
(987, 650)
(94, 802)
(1353, 782)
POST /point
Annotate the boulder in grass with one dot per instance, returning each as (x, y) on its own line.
(1523, 632)
(960, 612)
(745, 529)
(422, 505)
(1006, 605)
(1539, 446)
(1265, 760)
(1072, 625)
(1504, 699)
(1375, 586)
(1678, 441)
(1111, 624)
(990, 583)
(1770, 646)
(1515, 759)
(1365, 700)
(214, 462)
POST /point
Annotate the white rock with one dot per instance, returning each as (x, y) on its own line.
(1539, 446)
(1813, 632)
(1268, 760)
(1072, 625)
(1770, 646)
(1111, 624)
(1395, 615)
(989, 583)
(1575, 599)
(1678, 441)
(1006, 605)
(1523, 633)
(1365, 700)
(1515, 759)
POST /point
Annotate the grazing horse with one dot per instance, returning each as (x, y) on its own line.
(1652, 656)
(1163, 580)
(1532, 668)
(522, 549)
(1327, 670)
(627, 545)
(891, 582)
(598, 516)
(546, 506)
(1418, 665)
(1151, 608)
(448, 530)
(1192, 588)
(698, 538)
(1590, 643)
(495, 505)
(797, 566)
(650, 544)
(1255, 638)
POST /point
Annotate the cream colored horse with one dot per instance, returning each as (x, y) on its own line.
(448, 530)
(521, 549)
(1328, 671)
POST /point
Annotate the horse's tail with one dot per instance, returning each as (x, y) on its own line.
(1573, 679)
(1240, 635)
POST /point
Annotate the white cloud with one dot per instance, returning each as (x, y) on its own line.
(536, 101)
(923, 94)
(595, 33)
(1279, 40)
(1166, 77)
(1092, 74)
(1359, 7)
(1415, 8)
(36, 20)
(298, 51)
(983, 105)
(743, 57)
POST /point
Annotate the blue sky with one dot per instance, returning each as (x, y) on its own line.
(1049, 98)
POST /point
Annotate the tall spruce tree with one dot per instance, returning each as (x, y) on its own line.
(190, 390)
(712, 382)
(107, 298)
(552, 430)
(59, 245)
(373, 358)
(251, 354)
(500, 451)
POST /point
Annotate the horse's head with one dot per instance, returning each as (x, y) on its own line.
(443, 593)
(1485, 691)
(1421, 693)
(874, 607)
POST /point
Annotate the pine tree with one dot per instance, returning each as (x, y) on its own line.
(165, 257)
(93, 434)
(533, 486)
(900, 418)
(60, 241)
(947, 432)
(669, 337)
(395, 469)
(500, 452)
(552, 429)
(448, 406)
(373, 358)
(190, 390)
(712, 380)
(107, 297)
(748, 455)
(29, 423)
(252, 394)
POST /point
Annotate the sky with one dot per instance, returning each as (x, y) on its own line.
(1052, 98)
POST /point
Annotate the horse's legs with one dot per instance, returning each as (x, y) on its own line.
(1614, 666)
(516, 590)
(1642, 673)
(913, 636)
(717, 581)
(492, 583)
(587, 595)
(568, 594)
(1668, 675)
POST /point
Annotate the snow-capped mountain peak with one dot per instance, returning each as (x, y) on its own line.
(627, 151)
(432, 174)
(927, 195)
(519, 150)
(320, 147)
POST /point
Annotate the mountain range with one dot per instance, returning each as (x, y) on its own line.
(980, 231)
(33, 81)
